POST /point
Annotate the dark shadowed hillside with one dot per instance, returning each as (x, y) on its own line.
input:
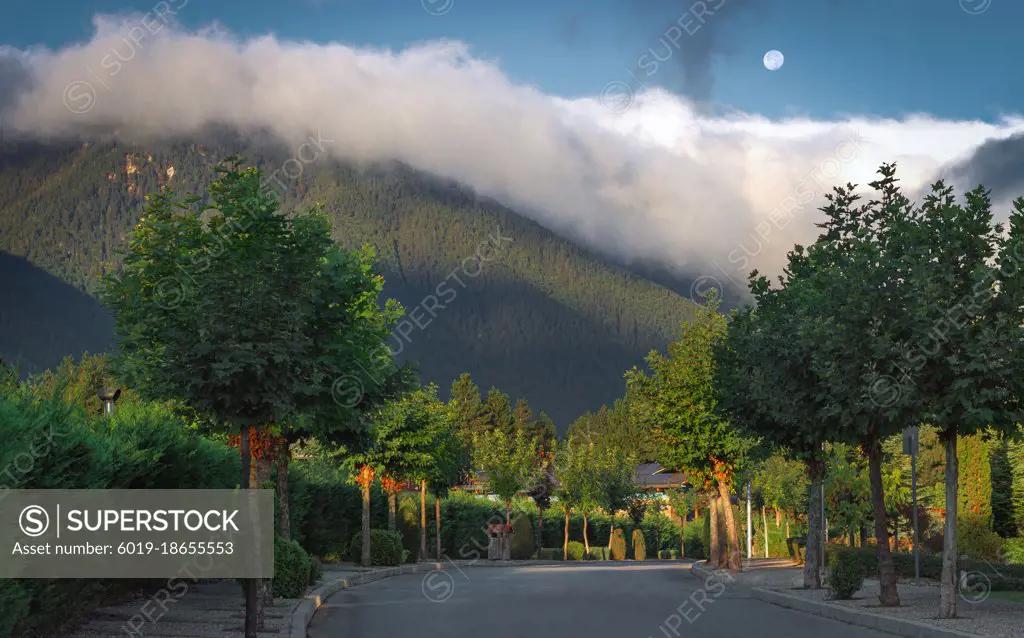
(541, 318)
(43, 319)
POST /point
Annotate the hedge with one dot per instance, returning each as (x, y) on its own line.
(1002, 577)
(50, 444)
(551, 553)
(385, 548)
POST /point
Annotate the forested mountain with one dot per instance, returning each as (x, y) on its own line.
(541, 318)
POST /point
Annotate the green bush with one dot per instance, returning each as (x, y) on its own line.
(845, 574)
(551, 553)
(639, 545)
(143, 445)
(316, 570)
(977, 539)
(292, 569)
(694, 540)
(598, 553)
(385, 548)
(668, 554)
(617, 550)
(1014, 551)
(522, 537)
(575, 550)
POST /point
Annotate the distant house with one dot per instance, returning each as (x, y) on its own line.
(652, 477)
(649, 477)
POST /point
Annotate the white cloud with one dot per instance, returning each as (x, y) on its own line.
(658, 182)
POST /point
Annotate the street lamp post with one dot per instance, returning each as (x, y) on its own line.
(108, 396)
(910, 445)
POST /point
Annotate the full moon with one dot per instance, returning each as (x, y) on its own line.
(773, 60)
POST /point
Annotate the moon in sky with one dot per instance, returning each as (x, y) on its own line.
(773, 60)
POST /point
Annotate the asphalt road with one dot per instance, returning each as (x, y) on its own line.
(595, 601)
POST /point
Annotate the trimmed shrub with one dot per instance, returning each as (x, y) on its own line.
(551, 553)
(977, 539)
(668, 554)
(598, 553)
(522, 537)
(316, 570)
(845, 575)
(639, 545)
(575, 550)
(385, 547)
(617, 550)
(292, 569)
(143, 445)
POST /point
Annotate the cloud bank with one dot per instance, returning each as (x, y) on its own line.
(644, 178)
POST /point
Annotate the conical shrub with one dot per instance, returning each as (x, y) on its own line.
(617, 550)
(639, 545)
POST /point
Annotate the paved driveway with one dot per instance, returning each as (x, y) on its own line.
(657, 600)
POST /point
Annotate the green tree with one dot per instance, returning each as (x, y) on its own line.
(770, 387)
(498, 413)
(449, 458)
(244, 313)
(468, 407)
(508, 462)
(678, 400)
(574, 471)
(968, 304)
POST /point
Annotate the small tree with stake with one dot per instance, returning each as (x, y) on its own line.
(247, 314)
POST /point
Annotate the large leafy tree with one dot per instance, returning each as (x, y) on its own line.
(963, 358)
(858, 295)
(768, 384)
(449, 458)
(402, 447)
(679, 402)
(509, 464)
(245, 313)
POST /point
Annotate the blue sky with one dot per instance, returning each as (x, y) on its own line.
(879, 57)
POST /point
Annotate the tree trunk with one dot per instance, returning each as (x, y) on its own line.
(948, 586)
(538, 542)
(586, 541)
(787, 527)
(713, 552)
(611, 532)
(778, 518)
(863, 536)
(437, 524)
(284, 518)
(264, 468)
(896, 533)
(682, 536)
(392, 511)
(764, 521)
(252, 601)
(888, 595)
(735, 559)
(423, 520)
(812, 548)
(565, 543)
(365, 557)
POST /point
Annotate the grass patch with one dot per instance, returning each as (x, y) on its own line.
(1012, 596)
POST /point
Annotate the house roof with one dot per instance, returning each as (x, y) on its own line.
(647, 476)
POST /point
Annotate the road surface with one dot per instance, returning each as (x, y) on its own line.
(596, 601)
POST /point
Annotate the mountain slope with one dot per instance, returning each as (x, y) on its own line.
(538, 316)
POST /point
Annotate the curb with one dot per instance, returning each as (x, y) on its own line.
(302, 613)
(888, 624)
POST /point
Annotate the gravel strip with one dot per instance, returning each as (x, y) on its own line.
(990, 617)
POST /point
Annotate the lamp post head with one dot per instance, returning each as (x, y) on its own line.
(108, 395)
